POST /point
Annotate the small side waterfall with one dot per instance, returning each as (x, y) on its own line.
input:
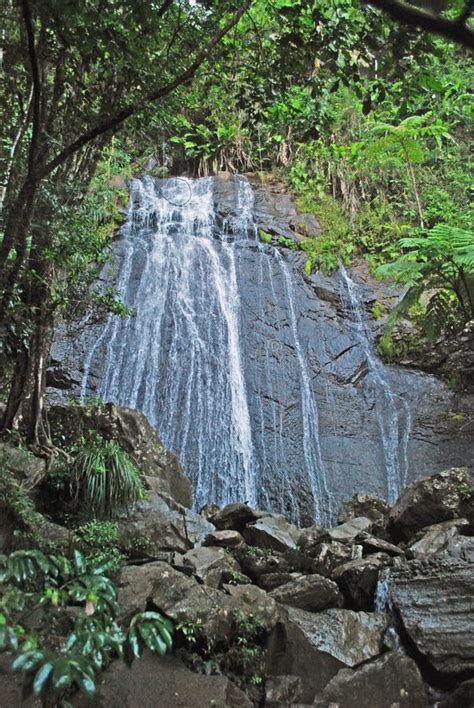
(185, 358)
(393, 412)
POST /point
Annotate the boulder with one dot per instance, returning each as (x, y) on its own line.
(27, 469)
(459, 548)
(254, 602)
(270, 581)
(312, 593)
(314, 647)
(434, 601)
(372, 544)
(179, 597)
(358, 580)
(435, 539)
(158, 524)
(429, 501)
(371, 507)
(463, 696)
(153, 681)
(392, 680)
(273, 532)
(256, 563)
(282, 691)
(234, 517)
(212, 565)
(132, 430)
(328, 556)
(348, 531)
(351, 637)
(311, 538)
(209, 510)
(225, 539)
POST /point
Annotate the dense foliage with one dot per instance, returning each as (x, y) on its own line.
(75, 633)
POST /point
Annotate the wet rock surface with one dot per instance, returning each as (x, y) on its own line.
(291, 328)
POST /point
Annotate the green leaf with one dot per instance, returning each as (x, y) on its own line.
(41, 678)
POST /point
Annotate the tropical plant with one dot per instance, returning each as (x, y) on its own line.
(103, 479)
(439, 263)
(66, 650)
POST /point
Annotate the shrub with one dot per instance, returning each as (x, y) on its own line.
(66, 650)
(103, 479)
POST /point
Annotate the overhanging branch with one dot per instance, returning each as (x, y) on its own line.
(113, 123)
(456, 30)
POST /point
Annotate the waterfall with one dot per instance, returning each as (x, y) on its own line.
(185, 357)
(392, 411)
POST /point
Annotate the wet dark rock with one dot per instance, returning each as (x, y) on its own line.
(135, 434)
(372, 544)
(256, 563)
(282, 691)
(234, 517)
(358, 580)
(179, 596)
(434, 601)
(273, 532)
(271, 581)
(165, 682)
(209, 510)
(254, 602)
(315, 646)
(429, 501)
(158, 523)
(435, 539)
(348, 531)
(392, 680)
(225, 539)
(212, 565)
(310, 539)
(328, 556)
(27, 469)
(462, 697)
(312, 593)
(58, 377)
(371, 507)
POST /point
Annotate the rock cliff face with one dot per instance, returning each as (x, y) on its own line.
(262, 380)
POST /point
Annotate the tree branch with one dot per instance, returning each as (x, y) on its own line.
(35, 74)
(164, 8)
(113, 123)
(455, 30)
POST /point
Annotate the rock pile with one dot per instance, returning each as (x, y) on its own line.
(377, 611)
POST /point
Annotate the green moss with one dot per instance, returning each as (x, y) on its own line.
(265, 236)
(287, 243)
(378, 310)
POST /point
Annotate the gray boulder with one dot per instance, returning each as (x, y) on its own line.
(310, 539)
(328, 556)
(435, 539)
(348, 531)
(256, 603)
(371, 507)
(273, 532)
(165, 682)
(429, 501)
(212, 565)
(358, 580)
(314, 647)
(224, 539)
(435, 603)
(158, 523)
(392, 680)
(372, 544)
(312, 593)
(234, 517)
(463, 696)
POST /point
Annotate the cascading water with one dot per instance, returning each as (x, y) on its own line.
(184, 359)
(393, 412)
